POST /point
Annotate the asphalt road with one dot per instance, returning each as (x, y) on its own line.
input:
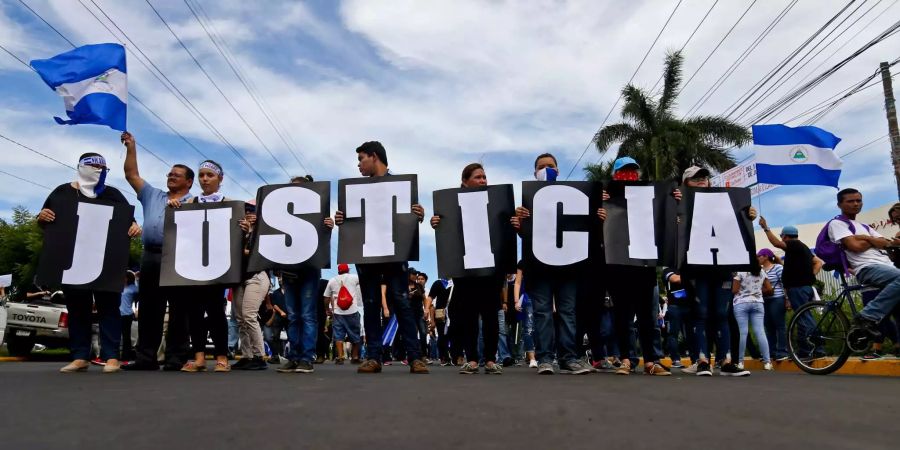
(336, 408)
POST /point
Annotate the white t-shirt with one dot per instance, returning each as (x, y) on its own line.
(351, 281)
(751, 288)
(838, 230)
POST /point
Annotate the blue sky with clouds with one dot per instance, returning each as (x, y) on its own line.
(441, 84)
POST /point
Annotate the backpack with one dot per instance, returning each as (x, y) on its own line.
(832, 253)
(345, 298)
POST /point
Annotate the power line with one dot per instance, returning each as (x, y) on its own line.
(845, 155)
(740, 60)
(232, 62)
(672, 14)
(46, 23)
(721, 41)
(25, 180)
(215, 85)
(688, 40)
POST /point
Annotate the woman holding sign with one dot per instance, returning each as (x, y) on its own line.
(477, 296)
(206, 304)
(90, 184)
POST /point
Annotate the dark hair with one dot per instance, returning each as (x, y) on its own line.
(545, 155)
(469, 170)
(845, 192)
(303, 179)
(188, 172)
(423, 274)
(129, 277)
(373, 148)
(891, 211)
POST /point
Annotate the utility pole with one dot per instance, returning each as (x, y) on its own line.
(893, 130)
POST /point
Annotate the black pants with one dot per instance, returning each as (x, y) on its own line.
(152, 312)
(206, 315)
(588, 312)
(127, 349)
(421, 326)
(443, 341)
(631, 289)
(323, 340)
(474, 297)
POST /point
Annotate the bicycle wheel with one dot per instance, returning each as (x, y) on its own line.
(817, 338)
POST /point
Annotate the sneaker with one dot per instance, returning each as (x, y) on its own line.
(732, 370)
(137, 366)
(740, 366)
(355, 361)
(692, 369)
(304, 367)
(320, 360)
(545, 369)
(288, 367)
(445, 363)
(575, 367)
(256, 363)
(404, 362)
(624, 368)
(657, 369)
(339, 361)
(493, 369)
(867, 327)
(533, 364)
(782, 358)
(604, 366)
(418, 366)
(97, 361)
(274, 360)
(468, 369)
(388, 363)
(872, 356)
(703, 369)
(241, 364)
(171, 367)
(677, 364)
(369, 366)
(507, 362)
(768, 366)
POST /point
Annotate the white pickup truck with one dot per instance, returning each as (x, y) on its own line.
(43, 321)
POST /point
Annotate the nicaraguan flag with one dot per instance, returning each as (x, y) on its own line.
(92, 82)
(802, 155)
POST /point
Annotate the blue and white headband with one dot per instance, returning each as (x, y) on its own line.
(211, 166)
(93, 160)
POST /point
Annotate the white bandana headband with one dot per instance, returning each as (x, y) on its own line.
(211, 166)
(95, 160)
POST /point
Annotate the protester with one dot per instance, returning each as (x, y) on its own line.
(275, 320)
(302, 296)
(373, 162)
(748, 290)
(548, 289)
(206, 304)
(126, 312)
(246, 301)
(525, 310)
(345, 300)
(775, 304)
(478, 298)
(423, 314)
(866, 255)
(153, 298)
(440, 295)
(90, 183)
(797, 278)
(632, 291)
(677, 318)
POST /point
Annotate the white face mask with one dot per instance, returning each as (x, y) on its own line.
(88, 178)
(546, 174)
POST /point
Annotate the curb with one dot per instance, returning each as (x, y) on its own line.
(11, 358)
(887, 367)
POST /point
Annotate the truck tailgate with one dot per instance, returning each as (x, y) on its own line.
(33, 316)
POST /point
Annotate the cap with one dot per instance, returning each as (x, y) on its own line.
(790, 230)
(765, 252)
(694, 171)
(343, 268)
(625, 161)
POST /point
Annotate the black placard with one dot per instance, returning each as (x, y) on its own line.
(496, 205)
(736, 246)
(83, 224)
(211, 248)
(354, 245)
(584, 221)
(620, 246)
(300, 210)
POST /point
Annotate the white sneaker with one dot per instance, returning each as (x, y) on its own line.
(768, 366)
(690, 369)
(740, 366)
(533, 364)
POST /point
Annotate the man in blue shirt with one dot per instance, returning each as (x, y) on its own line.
(153, 298)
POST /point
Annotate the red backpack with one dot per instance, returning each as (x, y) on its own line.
(345, 298)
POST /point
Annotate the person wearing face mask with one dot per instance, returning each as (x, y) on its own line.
(478, 297)
(90, 183)
(206, 304)
(547, 289)
(632, 295)
(154, 299)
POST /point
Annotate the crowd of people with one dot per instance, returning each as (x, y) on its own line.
(601, 318)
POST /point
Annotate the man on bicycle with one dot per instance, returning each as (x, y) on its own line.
(865, 250)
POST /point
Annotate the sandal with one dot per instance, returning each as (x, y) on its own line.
(73, 367)
(192, 366)
(222, 367)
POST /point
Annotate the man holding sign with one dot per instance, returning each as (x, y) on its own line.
(83, 281)
(372, 159)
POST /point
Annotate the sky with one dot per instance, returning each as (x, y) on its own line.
(440, 84)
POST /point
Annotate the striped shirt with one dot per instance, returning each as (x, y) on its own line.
(774, 276)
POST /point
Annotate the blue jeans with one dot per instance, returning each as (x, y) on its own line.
(799, 296)
(752, 314)
(395, 277)
(544, 290)
(713, 299)
(300, 296)
(528, 327)
(502, 344)
(888, 279)
(345, 328)
(776, 333)
(676, 317)
(79, 303)
(234, 331)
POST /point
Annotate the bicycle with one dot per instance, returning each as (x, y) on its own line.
(821, 337)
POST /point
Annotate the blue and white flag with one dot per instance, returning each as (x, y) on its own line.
(390, 332)
(92, 81)
(802, 155)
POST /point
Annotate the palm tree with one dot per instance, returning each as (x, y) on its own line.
(601, 171)
(663, 144)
